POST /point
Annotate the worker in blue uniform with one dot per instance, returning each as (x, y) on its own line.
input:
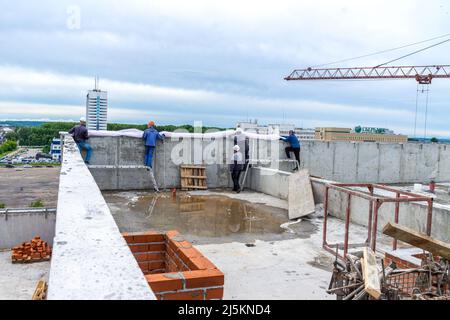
(150, 136)
(294, 146)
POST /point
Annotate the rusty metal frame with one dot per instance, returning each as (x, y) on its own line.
(375, 203)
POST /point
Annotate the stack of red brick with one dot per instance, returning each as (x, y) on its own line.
(174, 269)
(34, 251)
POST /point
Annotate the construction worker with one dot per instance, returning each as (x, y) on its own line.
(236, 166)
(150, 136)
(80, 135)
(294, 147)
(243, 142)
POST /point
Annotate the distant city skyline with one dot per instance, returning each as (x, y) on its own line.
(219, 62)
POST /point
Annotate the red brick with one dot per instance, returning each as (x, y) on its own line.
(200, 263)
(187, 254)
(172, 233)
(171, 245)
(185, 295)
(171, 266)
(170, 254)
(155, 256)
(143, 266)
(182, 244)
(139, 248)
(156, 271)
(216, 293)
(141, 257)
(156, 265)
(156, 247)
(164, 282)
(204, 278)
(148, 238)
(155, 236)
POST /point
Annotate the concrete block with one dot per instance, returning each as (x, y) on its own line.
(345, 156)
(300, 198)
(390, 162)
(106, 178)
(368, 163)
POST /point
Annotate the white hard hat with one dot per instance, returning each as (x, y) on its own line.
(82, 119)
(236, 148)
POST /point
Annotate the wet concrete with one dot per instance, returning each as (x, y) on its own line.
(204, 219)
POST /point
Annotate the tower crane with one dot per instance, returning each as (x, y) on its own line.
(422, 74)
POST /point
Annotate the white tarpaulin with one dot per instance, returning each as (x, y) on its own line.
(135, 133)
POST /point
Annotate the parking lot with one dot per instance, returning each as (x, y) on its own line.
(25, 156)
(21, 186)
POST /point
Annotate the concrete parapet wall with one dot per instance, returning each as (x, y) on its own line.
(370, 162)
(269, 181)
(90, 259)
(412, 215)
(18, 226)
(117, 162)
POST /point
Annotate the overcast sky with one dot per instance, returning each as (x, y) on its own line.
(219, 62)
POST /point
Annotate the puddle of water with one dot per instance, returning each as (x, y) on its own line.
(200, 215)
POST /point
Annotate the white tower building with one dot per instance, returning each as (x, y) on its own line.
(97, 108)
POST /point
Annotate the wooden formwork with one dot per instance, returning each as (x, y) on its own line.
(193, 177)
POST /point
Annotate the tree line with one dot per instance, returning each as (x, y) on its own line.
(43, 134)
(9, 145)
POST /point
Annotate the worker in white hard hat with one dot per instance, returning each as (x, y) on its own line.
(243, 142)
(80, 135)
(236, 166)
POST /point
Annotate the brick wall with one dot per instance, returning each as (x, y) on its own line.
(401, 263)
(174, 269)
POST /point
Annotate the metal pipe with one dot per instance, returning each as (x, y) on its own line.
(429, 216)
(369, 225)
(397, 210)
(325, 217)
(375, 226)
(347, 224)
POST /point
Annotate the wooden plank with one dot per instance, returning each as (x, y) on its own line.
(418, 240)
(300, 197)
(192, 167)
(40, 291)
(370, 273)
(193, 177)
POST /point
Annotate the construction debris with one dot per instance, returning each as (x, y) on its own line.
(370, 273)
(36, 250)
(418, 240)
(357, 278)
(41, 291)
(360, 278)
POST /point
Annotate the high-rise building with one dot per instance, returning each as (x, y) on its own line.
(55, 149)
(96, 108)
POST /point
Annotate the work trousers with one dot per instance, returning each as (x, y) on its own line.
(235, 174)
(149, 156)
(83, 145)
(296, 152)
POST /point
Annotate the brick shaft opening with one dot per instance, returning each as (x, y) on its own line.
(174, 269)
